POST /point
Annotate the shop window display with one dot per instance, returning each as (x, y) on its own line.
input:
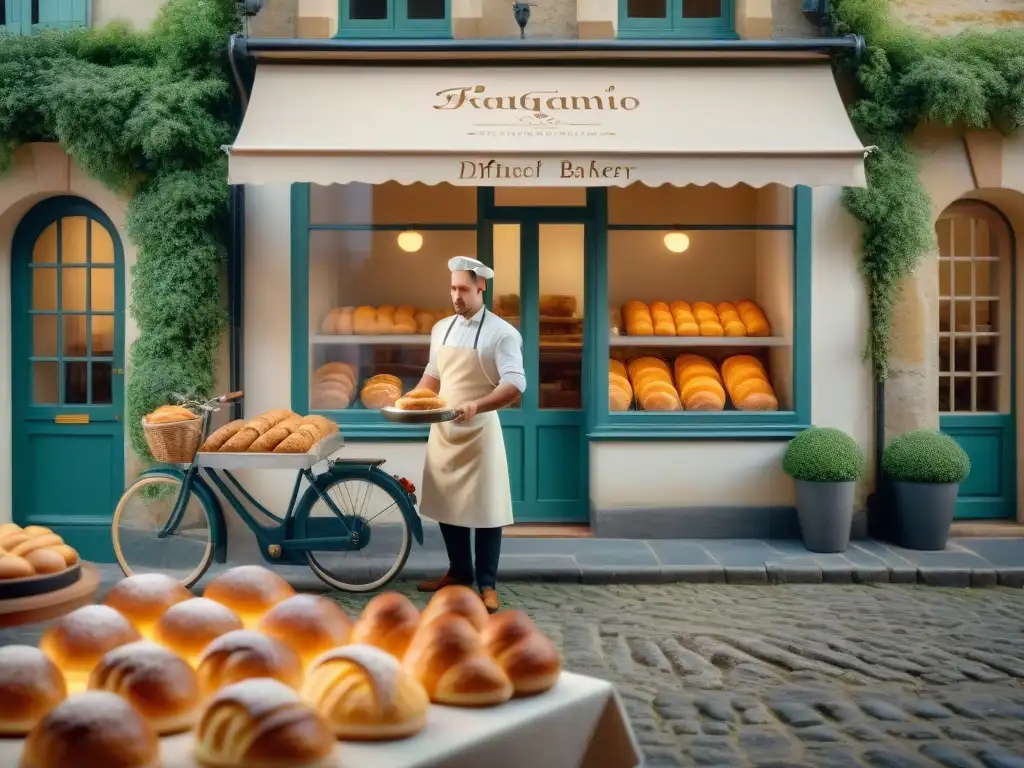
(700, 313)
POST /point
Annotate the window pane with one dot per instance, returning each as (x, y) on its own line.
(102, 289)
(944, 394)
(986, 354)
(45, 382)
(45, 249)
(646, 9)
(391, 203)
(102, 389)
(543, 196)
(740, 205)
(987, 394)
(372, 307)
(44, 335)
(505, 299)
(944, 313)
(102, 245)
(73, 289)
(102, 335)
(562, 251)
(962, 393)
(73, 240)
(75, 340)
(44, 288)
(368, 10)
(426, 9)
(702, 9)
(76, 383)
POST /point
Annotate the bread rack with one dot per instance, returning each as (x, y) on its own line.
(251, 460)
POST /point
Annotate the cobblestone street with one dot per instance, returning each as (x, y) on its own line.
(800, 675)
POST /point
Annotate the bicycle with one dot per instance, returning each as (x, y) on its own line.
(194, 528)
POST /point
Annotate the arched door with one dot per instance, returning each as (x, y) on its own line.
(976, 353)
(67, 344)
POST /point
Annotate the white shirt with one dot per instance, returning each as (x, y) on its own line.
(500, 347)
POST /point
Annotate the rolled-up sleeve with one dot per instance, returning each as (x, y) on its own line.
(508, 359)
(432, 369)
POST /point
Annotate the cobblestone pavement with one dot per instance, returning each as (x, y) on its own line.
(799, 675)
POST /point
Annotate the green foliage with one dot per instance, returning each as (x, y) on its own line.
(973, 79)
(926, 456)
(147, 114)
(824, 455)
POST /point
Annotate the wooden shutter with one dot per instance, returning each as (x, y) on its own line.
(13, 16)
(63, 14)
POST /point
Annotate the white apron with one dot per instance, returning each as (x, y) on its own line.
(465, 478)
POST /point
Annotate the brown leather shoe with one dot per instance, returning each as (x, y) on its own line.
(433, 585)
(490, 598)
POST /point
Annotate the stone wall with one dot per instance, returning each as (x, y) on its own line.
(947, 17)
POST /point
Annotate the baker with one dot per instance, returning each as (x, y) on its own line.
(476, 365)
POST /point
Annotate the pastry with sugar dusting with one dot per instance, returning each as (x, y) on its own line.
(250, 591)
(144, 598)
(245, 654)
(188, 627)
(30, 686)
(77, 641)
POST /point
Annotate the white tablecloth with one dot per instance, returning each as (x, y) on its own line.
(579, 723)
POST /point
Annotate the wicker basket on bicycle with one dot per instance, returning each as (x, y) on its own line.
(173, 434)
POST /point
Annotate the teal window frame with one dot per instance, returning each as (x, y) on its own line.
(53, 14)
(396, 25)
(672, 425)
(673, 25)
(601, 425)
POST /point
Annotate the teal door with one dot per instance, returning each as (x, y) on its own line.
(976, 354)
(539, 287)
(67, 288)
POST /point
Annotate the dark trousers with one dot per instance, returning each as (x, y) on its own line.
(487, 548)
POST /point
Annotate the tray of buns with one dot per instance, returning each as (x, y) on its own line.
(33, 561)
(277, 439)
(419, 406)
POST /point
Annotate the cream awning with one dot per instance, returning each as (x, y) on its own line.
(547, 126)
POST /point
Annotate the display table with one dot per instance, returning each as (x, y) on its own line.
(578, 724)
(17, 611)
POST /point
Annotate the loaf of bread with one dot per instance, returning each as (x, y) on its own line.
(144, 598)
(333, 386)
(338, 321)
(243, 655)
(459, 600)
(14, 567)
(249, 591)
(380, 391)
(325, 426)
(95, 728)
(637, 318)
(682, 316)
(652, 384)
(168, 414)
(449, 658)
(301, 440)
(409, 403)
(308, 624)
(620, 392)
(526, 655)
(159, 684)
(189, 626)
(661, 317)
(699, 383)
(555, 305)
(30, 686)
(78, 640)
(220, 436)
(261, 722)
(425, 320)
(364, 320)
(276, 435)
(707, 319)
(753, 318)
(730, 318)
(364, 694)
(746, 380)
(405, 319)
(388, 622)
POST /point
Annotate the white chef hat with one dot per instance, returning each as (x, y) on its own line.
(466, 264)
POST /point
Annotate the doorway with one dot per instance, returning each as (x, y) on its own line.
(540, 262)
(67, 328)
(976, 354)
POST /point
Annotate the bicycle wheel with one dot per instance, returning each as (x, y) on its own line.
(371, 509)
(143, 513)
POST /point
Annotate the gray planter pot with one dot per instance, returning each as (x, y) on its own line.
(825, 511)
(924, 512)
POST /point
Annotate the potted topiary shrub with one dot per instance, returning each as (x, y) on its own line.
(825, 463)
(926, 468)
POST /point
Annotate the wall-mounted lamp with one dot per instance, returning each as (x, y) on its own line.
(677, 242)
(410, 242)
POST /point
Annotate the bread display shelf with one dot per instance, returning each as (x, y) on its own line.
(407, 339)
(697, 341)
(254, 460)
(11, 589)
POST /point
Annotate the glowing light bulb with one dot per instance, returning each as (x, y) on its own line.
(410, 242)
(677, 242)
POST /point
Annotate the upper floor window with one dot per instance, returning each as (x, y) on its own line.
(394, 18)
(676, 18)
(23, 17)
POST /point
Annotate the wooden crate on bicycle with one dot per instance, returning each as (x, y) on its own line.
(172, 433)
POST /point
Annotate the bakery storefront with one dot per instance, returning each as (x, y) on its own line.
(668, 238)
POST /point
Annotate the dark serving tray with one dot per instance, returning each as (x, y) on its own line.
(38, 585)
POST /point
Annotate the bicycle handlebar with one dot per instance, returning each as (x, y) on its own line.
(231, 397)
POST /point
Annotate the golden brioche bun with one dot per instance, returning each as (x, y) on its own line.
(189, 626)
(77, 641)
(95, 728)
(248, 590)
(168, 414)
(387, 622)
(525, 654)
(46, 561)
(364, 694)
(70, 554)
(159, 684)
(14, 567)
(420, 403)
(308, 624)
(456, 599)
(30, 686)
(449, 658)
(35, 530)
(245, 654)
(36, 542)
(144, 598)
(261, 723)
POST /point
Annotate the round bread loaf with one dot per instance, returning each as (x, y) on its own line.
(525, 654)
(159, 684)
(388, 622)
(308, 624)
(245, 654)
(249, 590)
(449, 658)
(261, 723)
(189, 626)
(143, 599)
(459, 600)
(36, 542)
(46, 561)
(69, 554)
(78, 640)
(14, 567)
(364, 694)
(30, 686)
(95, 728)
(420, 403)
